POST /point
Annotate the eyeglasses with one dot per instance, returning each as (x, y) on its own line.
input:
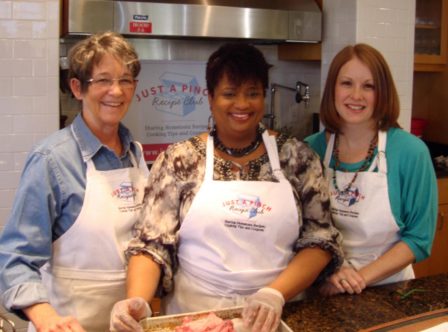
(107, 83)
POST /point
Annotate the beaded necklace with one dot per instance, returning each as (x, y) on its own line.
(364, 166)
(238, 152)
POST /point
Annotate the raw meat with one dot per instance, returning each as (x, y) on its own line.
(210, 323)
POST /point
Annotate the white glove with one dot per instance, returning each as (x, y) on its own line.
(263, 310)
(126, 314)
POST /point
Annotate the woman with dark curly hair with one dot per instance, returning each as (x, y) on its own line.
(235, 216)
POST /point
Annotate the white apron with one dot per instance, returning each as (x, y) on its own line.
(236, 238)
(364, 215)
(86, 274)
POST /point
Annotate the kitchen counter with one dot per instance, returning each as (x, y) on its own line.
(375, 305)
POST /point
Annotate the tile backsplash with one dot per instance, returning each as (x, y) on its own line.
(387, 25)
(29, 80)
(29, 110)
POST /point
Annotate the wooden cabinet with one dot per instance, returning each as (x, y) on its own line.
(300, 52)
(431, 39)
(430, 102)
(431, 35)
(438, 261)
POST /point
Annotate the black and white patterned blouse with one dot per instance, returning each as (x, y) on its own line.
(177, 175)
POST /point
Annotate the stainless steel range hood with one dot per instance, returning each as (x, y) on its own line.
(266, 21)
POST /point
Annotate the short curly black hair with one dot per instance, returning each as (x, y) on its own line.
(240, 62)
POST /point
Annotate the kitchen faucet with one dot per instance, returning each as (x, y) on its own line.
(305, 96)
(302, 94)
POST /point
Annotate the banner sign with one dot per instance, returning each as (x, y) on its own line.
(170, 104)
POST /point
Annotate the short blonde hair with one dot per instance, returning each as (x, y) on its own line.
(87, 53)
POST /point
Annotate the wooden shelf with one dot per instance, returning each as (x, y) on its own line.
(431, 11)
(304, 52)
(427, 26)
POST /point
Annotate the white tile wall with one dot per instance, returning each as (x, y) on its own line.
(29, 80)
(386, 25)
(5, 9)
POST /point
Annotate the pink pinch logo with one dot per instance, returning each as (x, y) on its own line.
(348, 198)
(125, 191)
(249, 206)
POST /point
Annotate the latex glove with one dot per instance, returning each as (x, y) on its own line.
(127, 313)
(263, 310)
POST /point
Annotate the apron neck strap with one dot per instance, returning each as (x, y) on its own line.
(381, 156)
(379, 161)
(209, 160)
(132, 157)
(271, 149)
(329, 151)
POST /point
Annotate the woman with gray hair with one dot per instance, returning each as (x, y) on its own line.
(61, 256)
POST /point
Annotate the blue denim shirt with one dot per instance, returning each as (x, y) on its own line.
(47, 203)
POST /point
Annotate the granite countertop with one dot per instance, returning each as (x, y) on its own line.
(375, 305)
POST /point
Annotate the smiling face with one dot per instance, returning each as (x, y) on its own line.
(355, 94)
(103, 107)
(237, 111)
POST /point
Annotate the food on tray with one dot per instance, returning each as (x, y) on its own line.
(229, 318)
(209, 323)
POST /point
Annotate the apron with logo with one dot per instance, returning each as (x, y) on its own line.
(86, 274)
(363, 214)
(236, 238)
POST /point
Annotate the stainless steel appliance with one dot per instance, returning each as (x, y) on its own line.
(262, 20)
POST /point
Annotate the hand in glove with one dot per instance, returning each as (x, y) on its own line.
(126, 314)
(263, 310)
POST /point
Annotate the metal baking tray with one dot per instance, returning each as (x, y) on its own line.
(168, 323)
